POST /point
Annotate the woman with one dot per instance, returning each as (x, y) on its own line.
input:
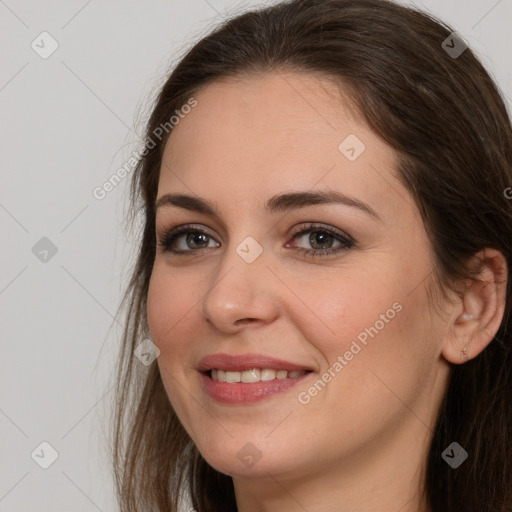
(323, 272)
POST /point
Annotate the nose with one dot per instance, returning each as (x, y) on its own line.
(241, 293)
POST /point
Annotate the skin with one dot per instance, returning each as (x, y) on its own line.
(360, 444)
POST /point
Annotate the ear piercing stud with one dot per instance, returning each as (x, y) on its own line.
(464, 354)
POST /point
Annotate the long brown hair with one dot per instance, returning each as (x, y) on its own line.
(445, 118)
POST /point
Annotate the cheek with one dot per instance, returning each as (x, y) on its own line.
(158, 302)
(360, 307)
(169, 310)
(169, 301)
(380, 335)
(380, 326)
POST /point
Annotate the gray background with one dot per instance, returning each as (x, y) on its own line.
(68, 122)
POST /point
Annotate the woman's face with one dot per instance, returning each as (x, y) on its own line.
(356, 315)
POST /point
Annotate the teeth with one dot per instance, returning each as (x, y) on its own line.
(267, 374)
(251, 375)
(233, 376)
(254, 375)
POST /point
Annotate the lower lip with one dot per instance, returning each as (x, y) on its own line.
(245, 392)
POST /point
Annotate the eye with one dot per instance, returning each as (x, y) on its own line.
(193, 240)
(321, 238)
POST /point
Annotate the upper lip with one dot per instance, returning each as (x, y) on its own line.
(242, 362)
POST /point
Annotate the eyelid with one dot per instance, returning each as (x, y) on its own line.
(181, 229)
(319, 226)
(170, 235)
(304, 227)
(176, 227)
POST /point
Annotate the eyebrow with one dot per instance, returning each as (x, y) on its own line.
(276, 204)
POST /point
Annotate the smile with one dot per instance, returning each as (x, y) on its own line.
(253, 375)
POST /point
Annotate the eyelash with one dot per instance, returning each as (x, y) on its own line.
(172, 234)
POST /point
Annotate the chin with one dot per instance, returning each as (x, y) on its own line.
(250, 461)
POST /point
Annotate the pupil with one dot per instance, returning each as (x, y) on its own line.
(194, 236)
(319, 235)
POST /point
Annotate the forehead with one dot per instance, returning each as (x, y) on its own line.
(276, 132)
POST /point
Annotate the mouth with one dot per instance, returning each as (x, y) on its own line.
(254, 363)
(233, 388)
(245, 378)
(253, 375)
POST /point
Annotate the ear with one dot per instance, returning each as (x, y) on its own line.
(478, 314)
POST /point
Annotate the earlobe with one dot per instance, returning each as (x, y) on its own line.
(477, 317)
(464, 354)
(460, 347)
